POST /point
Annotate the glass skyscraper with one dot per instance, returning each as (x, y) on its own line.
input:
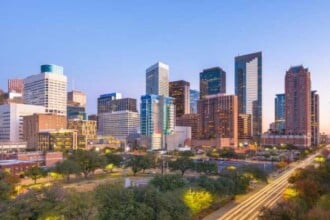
(157, 119)
(157, 79)
(212, 81)
(248, 88)
(280, 113)
(194, 97)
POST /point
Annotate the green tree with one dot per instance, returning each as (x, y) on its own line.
(68, 167)
(88, 161)
(114, 159)
(206, 167)
(168, 182)
(182, 163)
(35, 173)
(197, 200)
(255, 172)
(134, 163)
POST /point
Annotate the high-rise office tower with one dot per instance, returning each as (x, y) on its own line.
(157, 82)
(298, 101)
(48, 89)
(103, 102)
(157, 119)
(15, 85)
(212, 81)
(280, 113)
(315, 119)
(76, 105)
(114, 102)
(180, 91)
(218, 116)
(194, 97)
(244, 126)
(248, 88)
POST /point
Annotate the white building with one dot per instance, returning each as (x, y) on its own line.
(119, 124)
(76, 96)
(48, 89)
(11, 120)
(157, 79)
(178, 138)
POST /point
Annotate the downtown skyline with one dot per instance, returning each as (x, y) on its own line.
(99, 58)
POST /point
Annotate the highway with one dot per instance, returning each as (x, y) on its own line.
(267, 196)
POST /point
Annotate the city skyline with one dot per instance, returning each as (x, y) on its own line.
(282, 47)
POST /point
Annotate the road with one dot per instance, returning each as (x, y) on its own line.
(267, 196)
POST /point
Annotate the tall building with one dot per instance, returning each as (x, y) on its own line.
(157, 119)
(47, 89)
(180, 91)
(280, 113)
(212, 81)
(218, 117)
(119, 124)
(298, 101)
(248, 88)
(114, 102)
(157, 82)
(244, 126)
(194, 97)
(11, 120)
(77, 97)
(15, 85)
(33, 124)
(315, 119)
(76, 112)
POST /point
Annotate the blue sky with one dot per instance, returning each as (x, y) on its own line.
(105, 46)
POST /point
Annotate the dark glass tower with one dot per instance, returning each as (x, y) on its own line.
(212, 81)
(280, 113)
(248, 88)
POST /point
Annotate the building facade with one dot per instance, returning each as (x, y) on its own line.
(119, 124)
(194, 97)
(248, 88)
(77, 97)
(280, 113)
(218, 117)
(16, 86)
(212, 81)
(244, 127)
(180, 91)
(11, 120)
(298, 101)
(157, 119)
(48, 89)
(315, 119)
(33, 124)
(114, 102)
(190, 120)
(84, 128)
(157, 79)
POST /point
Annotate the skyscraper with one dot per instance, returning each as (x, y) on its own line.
(248, 88)
(157, 82)
(104, 102)
(76, 96)
(48, 89)
(194, 97)
(212, 81)
(157, 120)
(298, 101)
(315, 120)
(218, 117)
(180, 91)
(280, 113)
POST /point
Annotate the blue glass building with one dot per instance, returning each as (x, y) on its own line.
(280, 113)
(194, 97)
(51, 68)
(212, 81)
(248, 88)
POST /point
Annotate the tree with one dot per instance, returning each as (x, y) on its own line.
(7, 184)
(255, 172)
(88, 161)
(168, 182)
(114, 159)
(135, 163)
(182, 163)
(35, 173)
(147, 162)
(206, 167)
(227, 152)
(68, 167)
(197, 200)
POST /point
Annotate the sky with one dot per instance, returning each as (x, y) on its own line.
(106, 46)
